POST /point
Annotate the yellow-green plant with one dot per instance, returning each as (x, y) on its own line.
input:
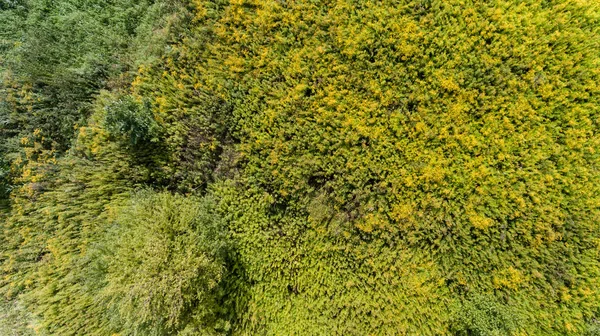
(382, 167)
(399, 157)
(55, 215)
(162, 262)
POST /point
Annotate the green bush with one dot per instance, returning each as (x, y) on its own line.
(4, 180)
(55, 57)
(483, 315)
(80, 257)
(131, 120)
(66, 52)
(196, 123)
(164, 259)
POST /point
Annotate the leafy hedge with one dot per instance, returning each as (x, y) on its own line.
(56, 215)
(65, 53)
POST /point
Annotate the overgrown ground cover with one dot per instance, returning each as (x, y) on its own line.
(301, 167)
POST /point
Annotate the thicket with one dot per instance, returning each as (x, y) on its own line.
(349, 167)
(58, 211)
(55, 57)
(87, 255)
(401, 157)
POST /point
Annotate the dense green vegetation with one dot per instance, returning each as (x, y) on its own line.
(245, 167)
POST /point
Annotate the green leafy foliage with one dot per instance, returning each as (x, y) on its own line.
(68, 51)
(84, 256)
(593, 328)
(60, 208)
(14, 320)
(4, 184)
(196, 123)
(12, 15)
(372, 168)
(55, 56)
(400, 156)
(164, 258)
(483, 315)
(129, 119)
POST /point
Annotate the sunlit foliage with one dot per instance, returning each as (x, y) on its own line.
(55, 57)
(400, 157)
(164, 259)
(58, 211)
(340, 168)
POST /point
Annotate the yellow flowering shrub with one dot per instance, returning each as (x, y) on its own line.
(398, 158)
